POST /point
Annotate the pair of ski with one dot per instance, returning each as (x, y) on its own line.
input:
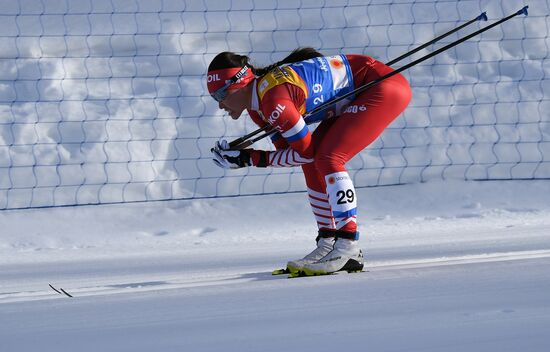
(293, 275)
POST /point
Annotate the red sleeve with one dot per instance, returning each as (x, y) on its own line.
(280, 105)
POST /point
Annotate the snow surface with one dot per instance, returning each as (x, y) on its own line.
(451, 266)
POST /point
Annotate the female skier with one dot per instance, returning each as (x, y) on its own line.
(279, 95)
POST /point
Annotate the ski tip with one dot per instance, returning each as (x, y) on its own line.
(523, 11)
(482, 17)
(280, 272)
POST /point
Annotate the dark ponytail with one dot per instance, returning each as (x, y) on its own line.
(299, 54)
(228, 59)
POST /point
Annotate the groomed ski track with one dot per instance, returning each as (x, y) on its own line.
(461, 268)
(469, 303)
(243, 276)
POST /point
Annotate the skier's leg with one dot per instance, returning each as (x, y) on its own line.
(361, 123)
(320, 207)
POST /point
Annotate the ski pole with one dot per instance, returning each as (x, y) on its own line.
(241, 142)
(399, 70)
(422, 59)
(235, 145)
(482, 17)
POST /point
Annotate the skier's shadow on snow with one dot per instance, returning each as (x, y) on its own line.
(139, 284)
(262, 276)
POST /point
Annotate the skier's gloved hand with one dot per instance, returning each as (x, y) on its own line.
(230, 159)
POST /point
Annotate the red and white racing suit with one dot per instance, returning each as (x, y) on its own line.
(283, 96)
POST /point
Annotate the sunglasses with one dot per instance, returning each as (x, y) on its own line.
(220, 94)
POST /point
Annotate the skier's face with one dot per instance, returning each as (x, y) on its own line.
(236, 101)
(231, 88)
